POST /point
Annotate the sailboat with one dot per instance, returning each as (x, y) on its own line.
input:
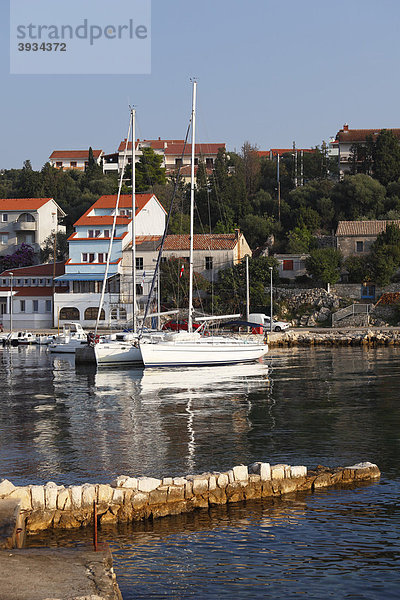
(190, 348)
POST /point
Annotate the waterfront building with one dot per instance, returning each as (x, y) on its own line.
(31, 290)
(77, 160)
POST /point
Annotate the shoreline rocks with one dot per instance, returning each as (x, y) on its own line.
(336, 337)
(130, 498)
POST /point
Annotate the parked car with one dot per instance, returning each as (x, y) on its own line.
(265, 321)
(178, 325)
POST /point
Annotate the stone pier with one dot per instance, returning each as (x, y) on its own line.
(130, 498)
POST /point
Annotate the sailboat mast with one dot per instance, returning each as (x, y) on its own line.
(190, 316)
(134, 325)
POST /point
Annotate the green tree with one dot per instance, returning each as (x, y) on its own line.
(256, 229)
(54, 241)
(386, 157)
(385, 255)
(149, 171)
(358, 268)
(299, 240)
(358, 196)
(175, 284)
(29, 183)
(324, 265)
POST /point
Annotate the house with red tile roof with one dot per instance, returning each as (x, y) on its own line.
(173, 152)
(28, 221)
(355, 238)
(89, 246)
(346, 138)
(74, 159)
(30, 289)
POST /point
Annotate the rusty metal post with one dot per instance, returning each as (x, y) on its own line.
(95, 525)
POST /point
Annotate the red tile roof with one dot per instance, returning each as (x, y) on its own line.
(11, 204)
(200, 149)
(213, 241)
(109, 201)
(282, 151)
(362, 228)
(73, 154)
(43, 270)
(360, 135)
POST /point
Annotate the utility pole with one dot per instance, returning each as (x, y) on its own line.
(301, 167)
(295, 164)
(247, 289)
(279, 189)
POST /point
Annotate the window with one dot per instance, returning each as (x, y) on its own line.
(59, 164)
(91, 257)
(4, 217)
(107, 233)
(209, 162)
(69, 313)
(163, 259)
(84, 257)
(100, 257)
(209, 263)
(48, 305)
(19, 282)
(139, 289)
(122, 212)
(41, 281)
(73, 163)
(4, 239)
(196, 161)
(35, 304)
(287, 265)
(97, 233)
(26, 281)
(90, 233)
(139, 263)
(22, 306)
(92, 312)
(48, 281)
(178, 162)
(359, 246)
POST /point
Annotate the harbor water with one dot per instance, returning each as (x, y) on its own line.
(326, 406)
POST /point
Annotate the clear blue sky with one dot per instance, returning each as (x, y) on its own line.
(268, 72)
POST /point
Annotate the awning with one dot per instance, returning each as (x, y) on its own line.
(84, 276)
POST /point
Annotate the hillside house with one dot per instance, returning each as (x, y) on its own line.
(355, 238)
(74, 159)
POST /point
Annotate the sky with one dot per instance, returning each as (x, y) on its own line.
(268, 72)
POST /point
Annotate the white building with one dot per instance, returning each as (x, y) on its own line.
(89, 246)
(28, 221)
(74, 159)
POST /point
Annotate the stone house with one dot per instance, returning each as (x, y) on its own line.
(355, 238)
(291, 266)
(74, 159)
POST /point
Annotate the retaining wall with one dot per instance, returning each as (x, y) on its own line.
(336, 337)
(137, 498)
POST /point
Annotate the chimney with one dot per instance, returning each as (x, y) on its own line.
(346, 127)
(237, 238)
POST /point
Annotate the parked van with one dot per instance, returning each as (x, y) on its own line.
(264, 321)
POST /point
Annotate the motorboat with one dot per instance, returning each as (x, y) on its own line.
(72, 337)
(19, 338)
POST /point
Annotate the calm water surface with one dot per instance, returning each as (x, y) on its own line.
(327, 406)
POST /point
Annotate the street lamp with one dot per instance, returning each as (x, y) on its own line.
(270, 322)
(11, 301)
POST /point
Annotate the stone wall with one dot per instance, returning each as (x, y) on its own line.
(136, 498)
(336, 337)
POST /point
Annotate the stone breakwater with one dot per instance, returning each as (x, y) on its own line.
(336, 337)
(138, 498)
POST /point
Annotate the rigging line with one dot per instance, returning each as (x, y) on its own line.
(153, 282)
(103, 289)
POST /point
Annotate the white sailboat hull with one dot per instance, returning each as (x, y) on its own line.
(201, 352)
(115, 353)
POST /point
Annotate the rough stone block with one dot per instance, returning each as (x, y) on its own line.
(179, 481)
(38, 501)
(158, 496)
(88, 495)
(76, 496)
(50, 494)
(188, 490)
(277, 472)
(6, 487)
(119, 481)
(217, 496)
(148, 484)
(167, 481)
(298, 471)
(241, 473)
(212, 482)
(200, 485)
(64, 499)
(131, 483)
(104, 494)
(261, 468)
(176, 493)
(118, 496)
(223, 480)
(23, 494)
(231, 476)
(139, 499)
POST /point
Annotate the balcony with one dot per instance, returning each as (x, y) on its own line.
(25, 226)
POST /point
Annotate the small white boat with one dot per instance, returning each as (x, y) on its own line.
(123, 349)
(19, 338)
(72, 337)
